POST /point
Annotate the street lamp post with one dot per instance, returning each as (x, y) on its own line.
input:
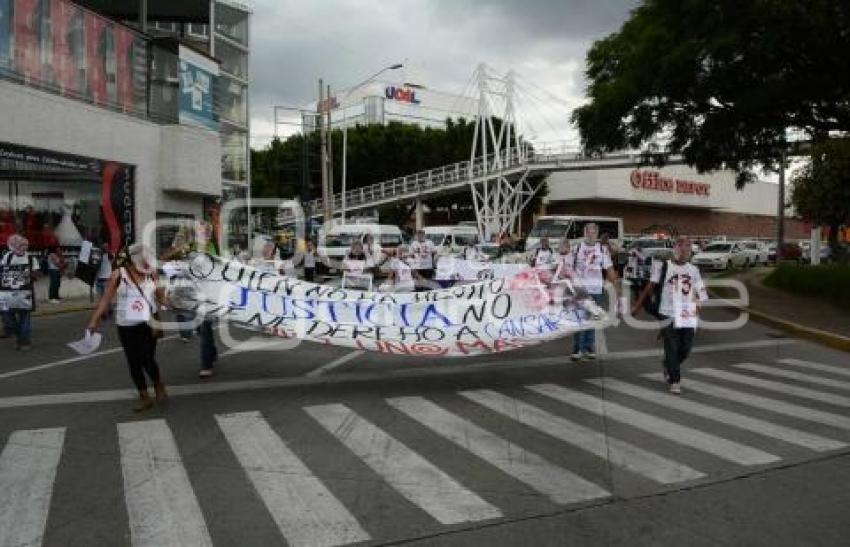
(345, 129)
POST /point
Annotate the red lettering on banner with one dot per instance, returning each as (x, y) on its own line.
(652, 180)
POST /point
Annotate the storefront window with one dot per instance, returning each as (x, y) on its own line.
(60, 200)
(232, 23)
(234, 154)
(233, 61)
(233, 100)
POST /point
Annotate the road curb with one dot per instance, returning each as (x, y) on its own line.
(60, 311)
(826, 338)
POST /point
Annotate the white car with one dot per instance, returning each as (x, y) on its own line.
(721, 256)
(451, 240)
(756, 251)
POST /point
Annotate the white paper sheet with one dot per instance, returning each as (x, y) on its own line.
(89, 343)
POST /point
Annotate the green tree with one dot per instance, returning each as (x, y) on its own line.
(719, 81)
(821, 189)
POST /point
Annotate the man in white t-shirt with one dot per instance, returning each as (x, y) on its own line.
(681, 292)
(542, 256)
(423, 251)
(18, 302)
(592, 267)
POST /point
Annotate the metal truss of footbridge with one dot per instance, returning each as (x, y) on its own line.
(464, 175)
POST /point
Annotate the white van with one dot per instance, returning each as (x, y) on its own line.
(450, 240)
(334, 245)
(571, 227)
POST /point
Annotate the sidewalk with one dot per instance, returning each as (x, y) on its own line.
(810, 317)
(73, 292)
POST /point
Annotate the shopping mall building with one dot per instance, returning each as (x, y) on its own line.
(699, 205)
(119, 112)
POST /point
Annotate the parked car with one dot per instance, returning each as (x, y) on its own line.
(756, 251)
(790, 251)
(720, 256)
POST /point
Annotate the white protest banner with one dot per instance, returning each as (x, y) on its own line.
(458, 269)
(478, 318)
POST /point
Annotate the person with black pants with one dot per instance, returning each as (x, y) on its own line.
(136, 285)
(679, 290)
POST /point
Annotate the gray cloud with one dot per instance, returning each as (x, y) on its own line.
(441, 42)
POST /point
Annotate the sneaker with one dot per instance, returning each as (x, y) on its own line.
(185, 339)
(55, 301)
(589, 355)
(25, 347)
(676, 389)
(666, 374)
(576, 356)
(205, 373)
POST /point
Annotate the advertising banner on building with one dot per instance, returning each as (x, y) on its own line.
(6, 34)
(27, 46)
(479, 318)
(198, 76)
(95, 64)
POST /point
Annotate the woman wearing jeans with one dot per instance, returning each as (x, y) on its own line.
(135, 283)
(55, 265)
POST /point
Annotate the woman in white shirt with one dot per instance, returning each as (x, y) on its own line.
(136, 285)
(401, 274)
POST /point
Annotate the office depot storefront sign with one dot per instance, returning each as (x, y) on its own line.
(652, 180)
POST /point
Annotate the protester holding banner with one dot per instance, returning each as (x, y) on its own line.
(204, 242)
(55, 267)
(136, 285)
(178, 251)
(592, 264)
(542, 256)
(423, 251)
(18, 270)
(309, 261)
(401, 275)
(357, 267)
(682, 290)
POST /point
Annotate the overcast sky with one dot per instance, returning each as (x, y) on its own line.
(295, 42)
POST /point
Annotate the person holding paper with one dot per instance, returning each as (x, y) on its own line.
(136, 285)
(682, 291)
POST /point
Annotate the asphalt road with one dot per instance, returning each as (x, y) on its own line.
(315, 445)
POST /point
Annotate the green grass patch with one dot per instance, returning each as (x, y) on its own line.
(830, 281)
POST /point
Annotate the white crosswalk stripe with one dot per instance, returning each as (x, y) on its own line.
(809, 365)
(778, 387)
(160, 501)
(764, 403)
(621, 453)
(27, 472)
(793, 375)
(558, 484)
(410, 474)
(762, 427)
(306, 512)
(699, 440)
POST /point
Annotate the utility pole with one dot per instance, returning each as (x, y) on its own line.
(780, 214)
(329, 107)
(326, 202)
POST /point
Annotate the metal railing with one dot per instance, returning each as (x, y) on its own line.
(541, 157)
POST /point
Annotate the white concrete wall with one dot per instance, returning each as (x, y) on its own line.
(615, 184)
(177, 159)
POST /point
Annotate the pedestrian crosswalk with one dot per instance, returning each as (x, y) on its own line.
(731, 420)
